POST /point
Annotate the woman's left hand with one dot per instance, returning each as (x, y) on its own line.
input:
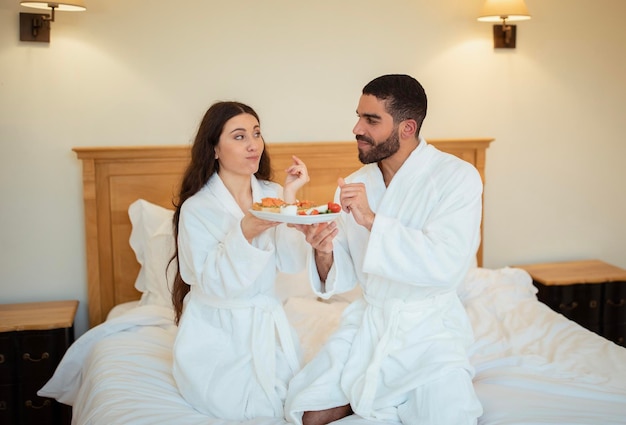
(252, 226)
(297, 176)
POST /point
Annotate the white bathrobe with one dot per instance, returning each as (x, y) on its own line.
(234, 352)
(400, 351)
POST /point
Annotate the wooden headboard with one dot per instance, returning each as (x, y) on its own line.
(114, 177)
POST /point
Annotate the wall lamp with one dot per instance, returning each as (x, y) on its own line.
(36, 26)
(504, 11)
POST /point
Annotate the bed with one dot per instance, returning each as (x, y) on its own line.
(533, 366)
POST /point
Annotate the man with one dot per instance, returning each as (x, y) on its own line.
(408, 233)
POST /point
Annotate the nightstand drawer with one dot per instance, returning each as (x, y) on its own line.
(33, 409)
(8, 411)
(617, 334)
(614, 317)
(39, 353)
(581, 303)
(7, 360)
(615, 302)
(590, 292)
(33, 339)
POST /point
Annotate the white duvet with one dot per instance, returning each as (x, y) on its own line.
(533, 366)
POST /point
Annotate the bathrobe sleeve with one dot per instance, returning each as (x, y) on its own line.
(215, 255)
(213, 252)
(433, 241)
(425, 233)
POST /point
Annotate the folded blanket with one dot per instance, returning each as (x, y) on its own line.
(67, 379)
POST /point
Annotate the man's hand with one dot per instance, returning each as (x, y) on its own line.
(353, 199)
(320, 235)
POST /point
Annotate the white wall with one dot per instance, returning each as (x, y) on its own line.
(143, 72)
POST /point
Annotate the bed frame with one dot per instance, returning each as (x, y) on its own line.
(114, 177)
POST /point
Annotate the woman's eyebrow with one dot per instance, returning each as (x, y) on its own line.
(256, 127)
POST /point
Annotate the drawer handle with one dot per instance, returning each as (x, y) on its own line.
(1, 358)
(593, 304)
(568, 307)
(44, 356)
(614, 304)
(3, 405)
(30, 404)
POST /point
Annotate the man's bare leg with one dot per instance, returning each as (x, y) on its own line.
(323, 417)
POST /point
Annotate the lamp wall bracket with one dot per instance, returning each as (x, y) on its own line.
(35, 27)
(504, 36)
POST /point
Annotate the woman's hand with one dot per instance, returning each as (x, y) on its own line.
(252, 226)
(297, 176)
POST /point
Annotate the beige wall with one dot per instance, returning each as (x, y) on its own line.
(131, 72)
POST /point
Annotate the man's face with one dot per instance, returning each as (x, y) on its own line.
(377, 136)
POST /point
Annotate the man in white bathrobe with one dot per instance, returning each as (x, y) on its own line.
(408, 233)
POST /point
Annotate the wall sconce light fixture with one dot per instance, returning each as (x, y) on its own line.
(504, 11)
(36, 26)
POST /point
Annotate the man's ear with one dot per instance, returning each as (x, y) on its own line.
(408, 128)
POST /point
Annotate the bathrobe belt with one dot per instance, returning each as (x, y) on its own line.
(392, 308)
(271, 319)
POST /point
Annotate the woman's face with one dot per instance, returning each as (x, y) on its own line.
(240, 146)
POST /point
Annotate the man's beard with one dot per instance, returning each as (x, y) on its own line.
(381, 150)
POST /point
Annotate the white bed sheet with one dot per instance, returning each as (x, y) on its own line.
(533, 366)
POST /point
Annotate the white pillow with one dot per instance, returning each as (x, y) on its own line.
(152, 240)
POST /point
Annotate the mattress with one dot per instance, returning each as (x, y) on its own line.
(533, 366)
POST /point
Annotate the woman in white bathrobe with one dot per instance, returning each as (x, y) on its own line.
(234, 351)
(408, 234)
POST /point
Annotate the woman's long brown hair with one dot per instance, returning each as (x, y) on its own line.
(201, 167)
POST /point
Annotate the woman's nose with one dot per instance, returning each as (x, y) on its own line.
(254, 145)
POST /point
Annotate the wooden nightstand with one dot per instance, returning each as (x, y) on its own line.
(33, 339)
(590, 292)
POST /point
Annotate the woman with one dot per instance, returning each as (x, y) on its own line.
(234, 352)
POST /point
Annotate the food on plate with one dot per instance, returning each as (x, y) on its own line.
(269, 205)
(329, 208)
(333, 207)
(279, 206)
(289, 209)
(305, 205)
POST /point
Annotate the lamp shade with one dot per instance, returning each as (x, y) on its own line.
(66, 6)
(511, 10)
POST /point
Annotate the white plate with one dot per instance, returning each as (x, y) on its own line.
(295, 219)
